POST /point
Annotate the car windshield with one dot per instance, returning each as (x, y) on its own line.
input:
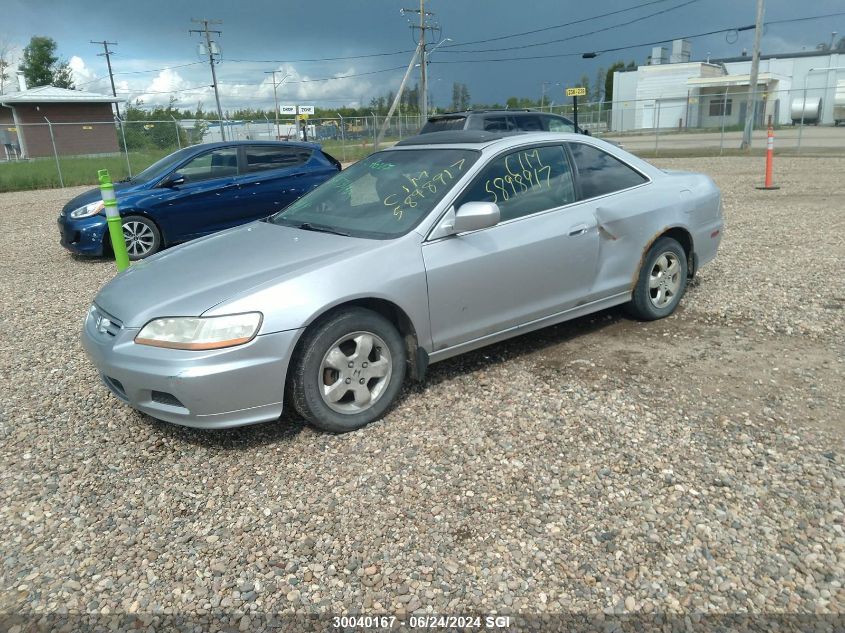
(383, 196)
(163, 166)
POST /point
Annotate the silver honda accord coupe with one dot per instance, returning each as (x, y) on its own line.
(442, 244)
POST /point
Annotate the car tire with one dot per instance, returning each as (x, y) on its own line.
(142, 237)
(661, 283)
(348, 370)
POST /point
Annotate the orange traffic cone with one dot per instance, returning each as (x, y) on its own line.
(770, 152)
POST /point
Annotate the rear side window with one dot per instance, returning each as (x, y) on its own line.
(529, 123)
(599, 173)
(444, 124)
(263, 158)
(499, 124)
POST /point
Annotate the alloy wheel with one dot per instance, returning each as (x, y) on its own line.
(355, 372)
(139, 238)
(664, 281)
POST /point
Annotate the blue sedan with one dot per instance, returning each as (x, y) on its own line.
(197, 191)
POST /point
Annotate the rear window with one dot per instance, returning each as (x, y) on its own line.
(444, 124)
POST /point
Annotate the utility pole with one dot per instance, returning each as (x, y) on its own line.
(424, 59)
(752, 88)
(396, 100)
(276, 96)
(212, 49)
(107, 54)
(423, 27)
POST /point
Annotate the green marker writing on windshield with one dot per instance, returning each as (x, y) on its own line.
(118, 242)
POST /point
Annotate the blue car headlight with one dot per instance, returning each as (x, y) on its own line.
(88, 210)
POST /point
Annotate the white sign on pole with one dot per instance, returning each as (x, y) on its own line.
(306, 109)
(287, 109)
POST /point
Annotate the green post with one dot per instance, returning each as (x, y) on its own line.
(118, 242)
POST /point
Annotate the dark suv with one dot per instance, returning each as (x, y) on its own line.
(500, 121)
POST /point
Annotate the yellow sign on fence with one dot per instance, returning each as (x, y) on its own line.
(576, 92)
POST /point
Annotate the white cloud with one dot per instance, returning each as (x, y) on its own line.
(240, 85)
(81, 72)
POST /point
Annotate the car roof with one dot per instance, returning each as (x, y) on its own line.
(464, 113)
(478, 139)
(217, 144)
(451, 137)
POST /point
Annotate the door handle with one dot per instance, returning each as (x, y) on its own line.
(578, 229)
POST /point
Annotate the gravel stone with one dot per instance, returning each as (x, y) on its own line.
(689, 465)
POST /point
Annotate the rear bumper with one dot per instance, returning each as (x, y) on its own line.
(217, 389)
(84, 236)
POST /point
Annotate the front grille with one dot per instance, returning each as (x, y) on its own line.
(104, 323)
(162, 397)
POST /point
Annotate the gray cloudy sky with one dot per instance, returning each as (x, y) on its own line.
(265, 35)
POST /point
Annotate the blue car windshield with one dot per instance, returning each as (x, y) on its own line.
(162, 166)
(383, 196)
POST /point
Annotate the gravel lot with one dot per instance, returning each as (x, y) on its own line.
(694, 464)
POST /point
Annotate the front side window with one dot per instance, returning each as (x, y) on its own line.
(560, 125)
(221, 163)
(599, 173)
(260, 158)
(524, 182)
(383, 196)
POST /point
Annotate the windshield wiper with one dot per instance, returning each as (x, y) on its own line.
(322, 228)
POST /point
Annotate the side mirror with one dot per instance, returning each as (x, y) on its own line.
(586, 132)
(174, 180)
(473, 216)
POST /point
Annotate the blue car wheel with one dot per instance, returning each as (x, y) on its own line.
(142, 237)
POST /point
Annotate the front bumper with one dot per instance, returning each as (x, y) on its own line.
(83, 236)
(210, 389)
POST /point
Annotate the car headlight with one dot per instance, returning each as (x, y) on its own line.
(200, 333)
(88, 210)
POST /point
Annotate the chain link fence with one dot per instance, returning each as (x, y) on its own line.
(704, 122)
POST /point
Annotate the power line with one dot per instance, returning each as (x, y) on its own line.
(578, 35)
(372, 72)
(557, 26)
(321, 59)
(641, 44)
(155, 70)
(136, 72)
(141, 91)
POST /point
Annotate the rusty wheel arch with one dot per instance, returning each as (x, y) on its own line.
(680, 235)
